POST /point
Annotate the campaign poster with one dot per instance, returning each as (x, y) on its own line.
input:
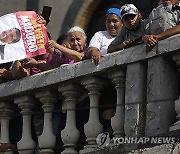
(21, 36)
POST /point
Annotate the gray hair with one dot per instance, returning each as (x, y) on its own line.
(78, 29)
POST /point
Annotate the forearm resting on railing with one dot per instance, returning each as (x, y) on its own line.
(72, 54)
(168, 33)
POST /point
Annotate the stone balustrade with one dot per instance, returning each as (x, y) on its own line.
(147, 86)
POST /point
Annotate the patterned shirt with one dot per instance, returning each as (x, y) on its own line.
(163, 18)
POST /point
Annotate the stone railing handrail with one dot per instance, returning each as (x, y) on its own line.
(82, 68)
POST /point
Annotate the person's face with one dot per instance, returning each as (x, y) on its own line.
(113, 24)
(76, 41)
(131, 21)
(169, 2)
(8, 36)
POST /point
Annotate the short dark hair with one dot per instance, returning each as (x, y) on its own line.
(61, 38)
(18, 34)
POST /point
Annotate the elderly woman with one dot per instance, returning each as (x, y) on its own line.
(57, 54)
(77, 40)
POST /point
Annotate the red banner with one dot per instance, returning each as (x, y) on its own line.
(21, 36)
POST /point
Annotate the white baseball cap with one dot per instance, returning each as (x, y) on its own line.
(128, 9)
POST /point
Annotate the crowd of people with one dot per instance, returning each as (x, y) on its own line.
(124, 28)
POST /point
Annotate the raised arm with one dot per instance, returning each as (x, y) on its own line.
(31, 62)
(72, 54)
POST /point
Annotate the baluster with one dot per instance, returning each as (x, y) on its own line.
(5, 116)
(117, 121)
(70, 134)
(93, 127)
(47, 139)
(26, 145)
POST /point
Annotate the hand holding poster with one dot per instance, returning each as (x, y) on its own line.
(21, 36)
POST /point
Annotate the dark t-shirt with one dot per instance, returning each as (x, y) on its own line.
(125, 33)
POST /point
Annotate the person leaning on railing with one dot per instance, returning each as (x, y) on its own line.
(77, 41)
(163, 22)
(70, 51)
(59, 54)
(100, 41)
(66, 53)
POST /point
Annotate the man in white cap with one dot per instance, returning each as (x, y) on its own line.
(133, 30)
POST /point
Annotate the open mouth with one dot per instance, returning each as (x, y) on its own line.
(112, 29)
